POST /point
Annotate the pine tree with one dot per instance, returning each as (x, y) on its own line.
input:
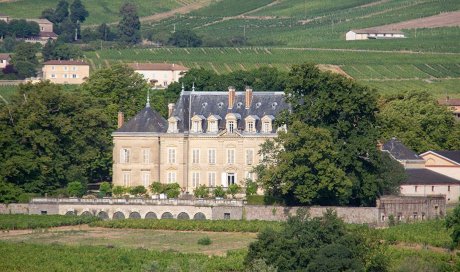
(129, 26)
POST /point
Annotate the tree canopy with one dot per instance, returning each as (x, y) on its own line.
(419, 122)
(129, 25)
(185, 38)
(340, 122)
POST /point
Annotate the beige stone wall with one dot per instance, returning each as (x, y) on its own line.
(163, 77)
(433, 160)
(183, 167)
(453, 172)
(45, 27)
(14, 208)
(136, 166)
(451, 192)
(65, 74)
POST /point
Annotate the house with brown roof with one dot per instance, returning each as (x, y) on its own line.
(452, 104)
(65, 71)
(422, 178)
(373, 33)
(4, 60)
(46, 31)
(159, 74)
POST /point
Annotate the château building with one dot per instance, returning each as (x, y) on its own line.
(209, 138)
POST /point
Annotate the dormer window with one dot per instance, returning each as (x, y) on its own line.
(213, 123)
(251, 123)
(197, 122)
(172, 127)
(232, 122)
(267, 122)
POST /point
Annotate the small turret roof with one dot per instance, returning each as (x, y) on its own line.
(147, 120)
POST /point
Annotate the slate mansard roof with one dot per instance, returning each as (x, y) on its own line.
(216, 103)
(207, 104)
(399, 151)
(147, 120)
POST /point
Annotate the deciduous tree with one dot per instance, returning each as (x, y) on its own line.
(129, 26)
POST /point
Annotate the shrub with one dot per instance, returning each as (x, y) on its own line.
(219, 191)
(205, 241)
(172, 190)
(137, 190)
(251, 187)
(202, 191)
(75, 188)
(118, 191)
(157, 188)
(233, 189)
(105, 188)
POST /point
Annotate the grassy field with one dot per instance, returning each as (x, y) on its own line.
(101, 11)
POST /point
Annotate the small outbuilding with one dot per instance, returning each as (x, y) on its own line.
(373, 33)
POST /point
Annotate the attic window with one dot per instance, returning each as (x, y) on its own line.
(258, 104)
(204, 105)
(274, 104)
(220, 104)
(239, 104)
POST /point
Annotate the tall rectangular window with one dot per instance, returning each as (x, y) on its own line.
(195, 156)
(249, 156)
(146, 178)
(230, 156)
(231, 126)
(212, 179)
(266, 127)
(126, 178)
(146, 155)
(195, 179)
(171, 155)
(172, 177)
(211, 156)
(124, 155)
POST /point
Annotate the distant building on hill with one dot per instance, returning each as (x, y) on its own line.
(453, 104)
(160, 74)
(65, 71)
(4, 60)
(46, 31)
(428, 174)
(373, 33)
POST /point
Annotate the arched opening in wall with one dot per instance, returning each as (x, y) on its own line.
(86, 213)
(167, 215)
(199, 216)
(151, 215)
(103, 215)
(70, 213)
(183, 216)
(134, 215)
(118, 215)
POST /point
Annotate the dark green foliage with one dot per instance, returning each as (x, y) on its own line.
(453, 223)
(105, 189)
(20, 29)
(9, 193)
(185, 38)
(51, 137)
(61, 12)
(24, 59)
(75, 188)
(264, 200)
(205, 241)
(78, 12)
(48, 14)
(25, 69)
(129, 25)
(138, 190)
(54, 50)
(171, 190)
(125, 90)
(306, 243)
(339, 119)
(201, 192)
(191, 225)
(118, 191)
(22, 221)
(419, 122)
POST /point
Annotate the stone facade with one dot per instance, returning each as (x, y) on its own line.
(65, 71)
(159, 74)
(14, 208)
(210, 138)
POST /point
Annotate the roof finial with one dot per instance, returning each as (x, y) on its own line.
(193, 86)
(183, 88)
(148, 99)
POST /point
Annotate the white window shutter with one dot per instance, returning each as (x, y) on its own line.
(224, 180)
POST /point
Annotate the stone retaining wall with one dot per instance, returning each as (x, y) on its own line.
(14, 208)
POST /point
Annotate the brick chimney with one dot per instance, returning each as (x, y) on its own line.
(121, 119)
(231, 96)
(248, 97)
(170, 109)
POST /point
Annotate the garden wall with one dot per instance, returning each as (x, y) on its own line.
(14, 208)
